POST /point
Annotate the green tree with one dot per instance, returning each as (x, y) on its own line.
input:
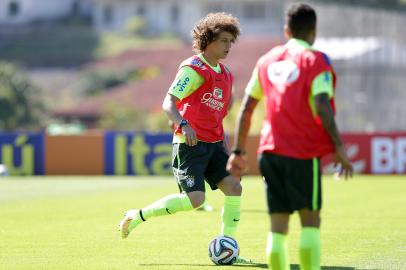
(124, 116)
(20, 105)
(97, 81)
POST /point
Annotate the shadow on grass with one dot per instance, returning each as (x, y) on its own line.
(173, 264)
(245, 210)
(257, 265)
(297, 267)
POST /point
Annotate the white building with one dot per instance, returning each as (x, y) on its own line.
(25, 11)
(160, 16)
(179, 16)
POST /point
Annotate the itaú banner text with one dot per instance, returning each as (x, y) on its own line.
(22, 153)
(141, 153)
(378, 153)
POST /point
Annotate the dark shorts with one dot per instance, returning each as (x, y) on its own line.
(192, 165)
(291, 184)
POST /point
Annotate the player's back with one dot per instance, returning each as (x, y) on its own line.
(286, 74)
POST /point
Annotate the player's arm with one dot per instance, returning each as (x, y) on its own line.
(253, 93)
(237, 163)
(322, 89)
(325, 112)
(226, 141)
(169, 107)
(244, 122)
(230, 104)
(182, 86)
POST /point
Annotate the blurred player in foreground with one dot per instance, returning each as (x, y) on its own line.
(197, 102)
(297, 84)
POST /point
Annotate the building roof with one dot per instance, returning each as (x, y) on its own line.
(149, 94)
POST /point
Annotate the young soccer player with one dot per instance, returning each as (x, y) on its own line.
(297, 84)
(196, 103)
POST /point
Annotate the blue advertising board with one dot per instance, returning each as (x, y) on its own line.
(137, 153)
(22, 153)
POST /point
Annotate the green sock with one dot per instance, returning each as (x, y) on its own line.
(167, 205)
(310, 248)
(277, 251)
(230, 215)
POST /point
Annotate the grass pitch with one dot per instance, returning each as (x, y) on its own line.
(71, 223)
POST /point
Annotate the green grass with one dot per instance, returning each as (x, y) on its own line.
(71, 223)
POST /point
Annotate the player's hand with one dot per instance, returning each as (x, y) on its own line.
(190, 135)
(340, 157)
(237, 165)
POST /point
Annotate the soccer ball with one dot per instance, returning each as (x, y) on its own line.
(223, 250)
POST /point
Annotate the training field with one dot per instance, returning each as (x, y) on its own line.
(71, 223)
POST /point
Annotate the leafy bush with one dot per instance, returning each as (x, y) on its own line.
(20, 105)
(126, 117)
(96, 81)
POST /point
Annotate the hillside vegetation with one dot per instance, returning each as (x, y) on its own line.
(58, 45)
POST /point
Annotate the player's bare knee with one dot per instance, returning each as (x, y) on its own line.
(311, 222)
(230, 186)
(237, 189)
(197, 202)
(234, 189)
(310, 218)
(197, 198)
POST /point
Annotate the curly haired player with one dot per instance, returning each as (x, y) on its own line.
(197, 102)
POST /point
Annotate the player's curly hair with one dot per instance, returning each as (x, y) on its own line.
(209, 28)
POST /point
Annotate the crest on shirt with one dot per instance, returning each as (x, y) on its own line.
(217, 93)
(283, 72)
(190, 181)
(197, 63)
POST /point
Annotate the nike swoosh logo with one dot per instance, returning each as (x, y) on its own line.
(236, 220)
(167, 210)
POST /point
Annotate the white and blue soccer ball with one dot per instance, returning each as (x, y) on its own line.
(223, 250)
